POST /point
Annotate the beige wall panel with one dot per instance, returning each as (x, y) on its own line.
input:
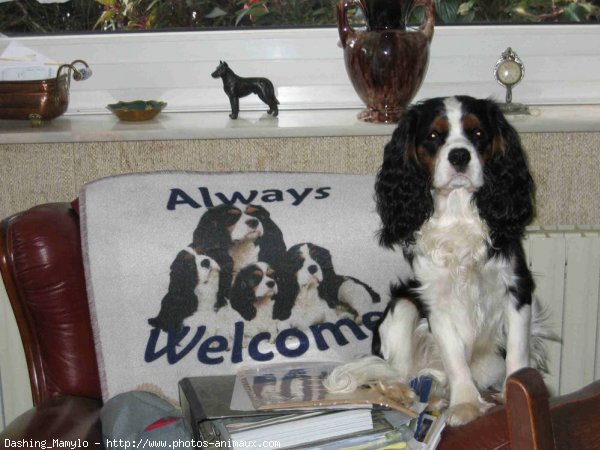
(341, 155)
(565, 169)
(563, 166)
(93, 160)
(34, 173)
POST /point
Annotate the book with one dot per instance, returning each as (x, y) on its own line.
(216, 413)
(295, 429)
(205, 399)
(300, 385)
(429, 432)
(390, 430)
(422, 387)
(430, 424)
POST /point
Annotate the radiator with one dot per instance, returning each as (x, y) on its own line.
(565, 262)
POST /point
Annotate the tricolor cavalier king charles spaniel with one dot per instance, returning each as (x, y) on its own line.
(193, 287)
(312, 292)
(454, 193)
(252, 300)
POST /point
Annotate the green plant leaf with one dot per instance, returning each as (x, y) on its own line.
(106, 16)
(575, 13)
(254, 10)
(240, 15)
(465, 8)
(107, 2)
(152, 5)
(447, 10)
(216, 12)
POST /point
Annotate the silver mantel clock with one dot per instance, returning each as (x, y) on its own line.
(509, 71)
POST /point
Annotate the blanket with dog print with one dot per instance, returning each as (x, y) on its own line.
(192, 274)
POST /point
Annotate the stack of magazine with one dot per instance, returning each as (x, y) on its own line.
(288, 407)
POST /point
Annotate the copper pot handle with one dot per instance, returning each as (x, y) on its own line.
(79, 73)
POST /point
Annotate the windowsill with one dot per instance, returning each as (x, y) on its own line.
(255, 124)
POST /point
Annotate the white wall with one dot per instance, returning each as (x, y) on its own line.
(15, 391)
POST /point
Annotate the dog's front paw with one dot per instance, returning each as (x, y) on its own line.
(462, 414)
(437, 403)
(499, 397)
(233, 116)
(397, 392)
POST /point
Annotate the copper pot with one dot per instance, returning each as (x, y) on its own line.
(385, 65)
(38, 100)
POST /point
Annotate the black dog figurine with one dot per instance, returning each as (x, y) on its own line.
(236, 87)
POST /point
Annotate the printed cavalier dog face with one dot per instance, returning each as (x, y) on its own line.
(253, 292)
(246, 236)
(252, 300)
(312, 292)
(454, 194)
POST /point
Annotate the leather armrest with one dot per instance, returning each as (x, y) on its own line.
(486, 433)
(64, 417)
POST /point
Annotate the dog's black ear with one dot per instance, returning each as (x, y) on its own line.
(225, 262)
(258, 211)
(287, 291)
(211, 231)
(180, 301)
(402, 188)
(329, 287)
(505, 201)
(271, 243)
(242, 296)
(322, 256)
(183, 275)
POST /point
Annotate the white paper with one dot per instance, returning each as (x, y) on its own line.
(19, 63)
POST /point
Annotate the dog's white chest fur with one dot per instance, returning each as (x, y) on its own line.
(460, 281)
(455, 236)
(451, 250)
(263, 321)
(310, 308)
(243, 253)
(456, 274)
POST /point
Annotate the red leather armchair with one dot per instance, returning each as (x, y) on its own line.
(42, 269)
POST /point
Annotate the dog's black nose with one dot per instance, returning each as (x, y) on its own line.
(252, 223)
(312, 269)
(270, 284)
(205, 263)
(459, 158)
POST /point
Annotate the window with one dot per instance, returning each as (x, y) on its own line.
(45, 16)
(306, 64)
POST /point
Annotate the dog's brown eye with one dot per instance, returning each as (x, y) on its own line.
(434, 135)
(477, 133)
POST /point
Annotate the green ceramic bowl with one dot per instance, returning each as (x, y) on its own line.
(137, 110)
